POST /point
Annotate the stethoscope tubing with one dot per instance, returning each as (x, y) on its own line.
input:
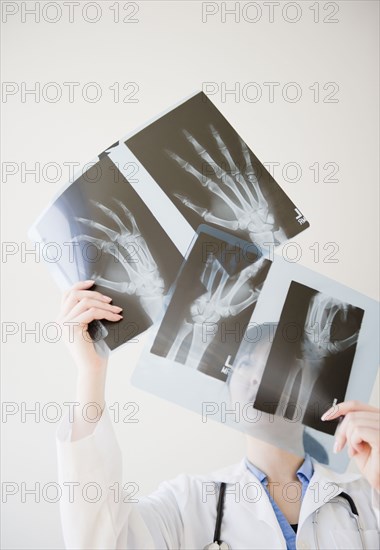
(353, 513)
(219, 513)
(219, 517)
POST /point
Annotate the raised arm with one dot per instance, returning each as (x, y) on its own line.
(89, 455)
(80, 306)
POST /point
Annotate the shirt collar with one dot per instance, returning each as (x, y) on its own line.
(304, 472)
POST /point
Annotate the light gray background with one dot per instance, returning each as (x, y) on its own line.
(170, 53)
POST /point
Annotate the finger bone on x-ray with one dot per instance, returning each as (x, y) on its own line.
(131, 251)
(317, 343)
(218, 302)
(321, 321)
(246, 201)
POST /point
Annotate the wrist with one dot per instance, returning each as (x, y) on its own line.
(92, 379)
(92, 371)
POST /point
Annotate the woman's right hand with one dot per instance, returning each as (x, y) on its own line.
(80, 306)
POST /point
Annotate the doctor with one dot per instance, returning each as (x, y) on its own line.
(273, 498)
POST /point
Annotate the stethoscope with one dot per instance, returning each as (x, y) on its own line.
(221, 545)
(353, 511)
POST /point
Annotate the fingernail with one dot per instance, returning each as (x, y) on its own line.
(106, 298)
(90, 281)
(326, 414)
(336, 447)
(117, 308)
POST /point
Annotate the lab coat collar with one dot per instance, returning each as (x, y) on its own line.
(324, 485)
(304, 471)
(231, 474)
(260, 508)
(235, 472)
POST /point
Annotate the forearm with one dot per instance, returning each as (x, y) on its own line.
(80, 307)
(90, 394)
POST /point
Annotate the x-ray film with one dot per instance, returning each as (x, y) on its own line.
(213, 299)
(307, 344)
(102, 230)
(128, 221)
(213, 177)
(310, 360)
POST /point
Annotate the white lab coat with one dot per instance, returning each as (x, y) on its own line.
(181, 513)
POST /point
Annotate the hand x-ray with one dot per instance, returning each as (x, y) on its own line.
(129, 219)
(104, 231)
(311, 356)
(213, 177)
(213, 300)
(299, 343)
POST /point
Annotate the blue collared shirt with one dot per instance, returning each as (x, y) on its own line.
(304, 474)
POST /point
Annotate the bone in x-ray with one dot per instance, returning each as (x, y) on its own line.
(324, 315)
(246, 201)
(142, 277)
(218, 302)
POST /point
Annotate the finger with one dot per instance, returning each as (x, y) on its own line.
(362, 437)
(113, 216)
(358, 449)
(93, 314)
(224, 151)
(357, 434)
(88, 303)
(360, 417)
(78, 286)
(351, 421)
(76, 296)
(111, 234)
(345, 407)
(365, 434)
(205, 156)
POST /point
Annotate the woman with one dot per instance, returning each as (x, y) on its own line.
(274, 498)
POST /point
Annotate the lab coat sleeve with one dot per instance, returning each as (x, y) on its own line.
(96, 513)
(375, 501)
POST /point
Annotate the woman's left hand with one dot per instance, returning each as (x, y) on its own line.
(360, 430)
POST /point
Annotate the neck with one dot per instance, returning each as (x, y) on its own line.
(278, 464)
